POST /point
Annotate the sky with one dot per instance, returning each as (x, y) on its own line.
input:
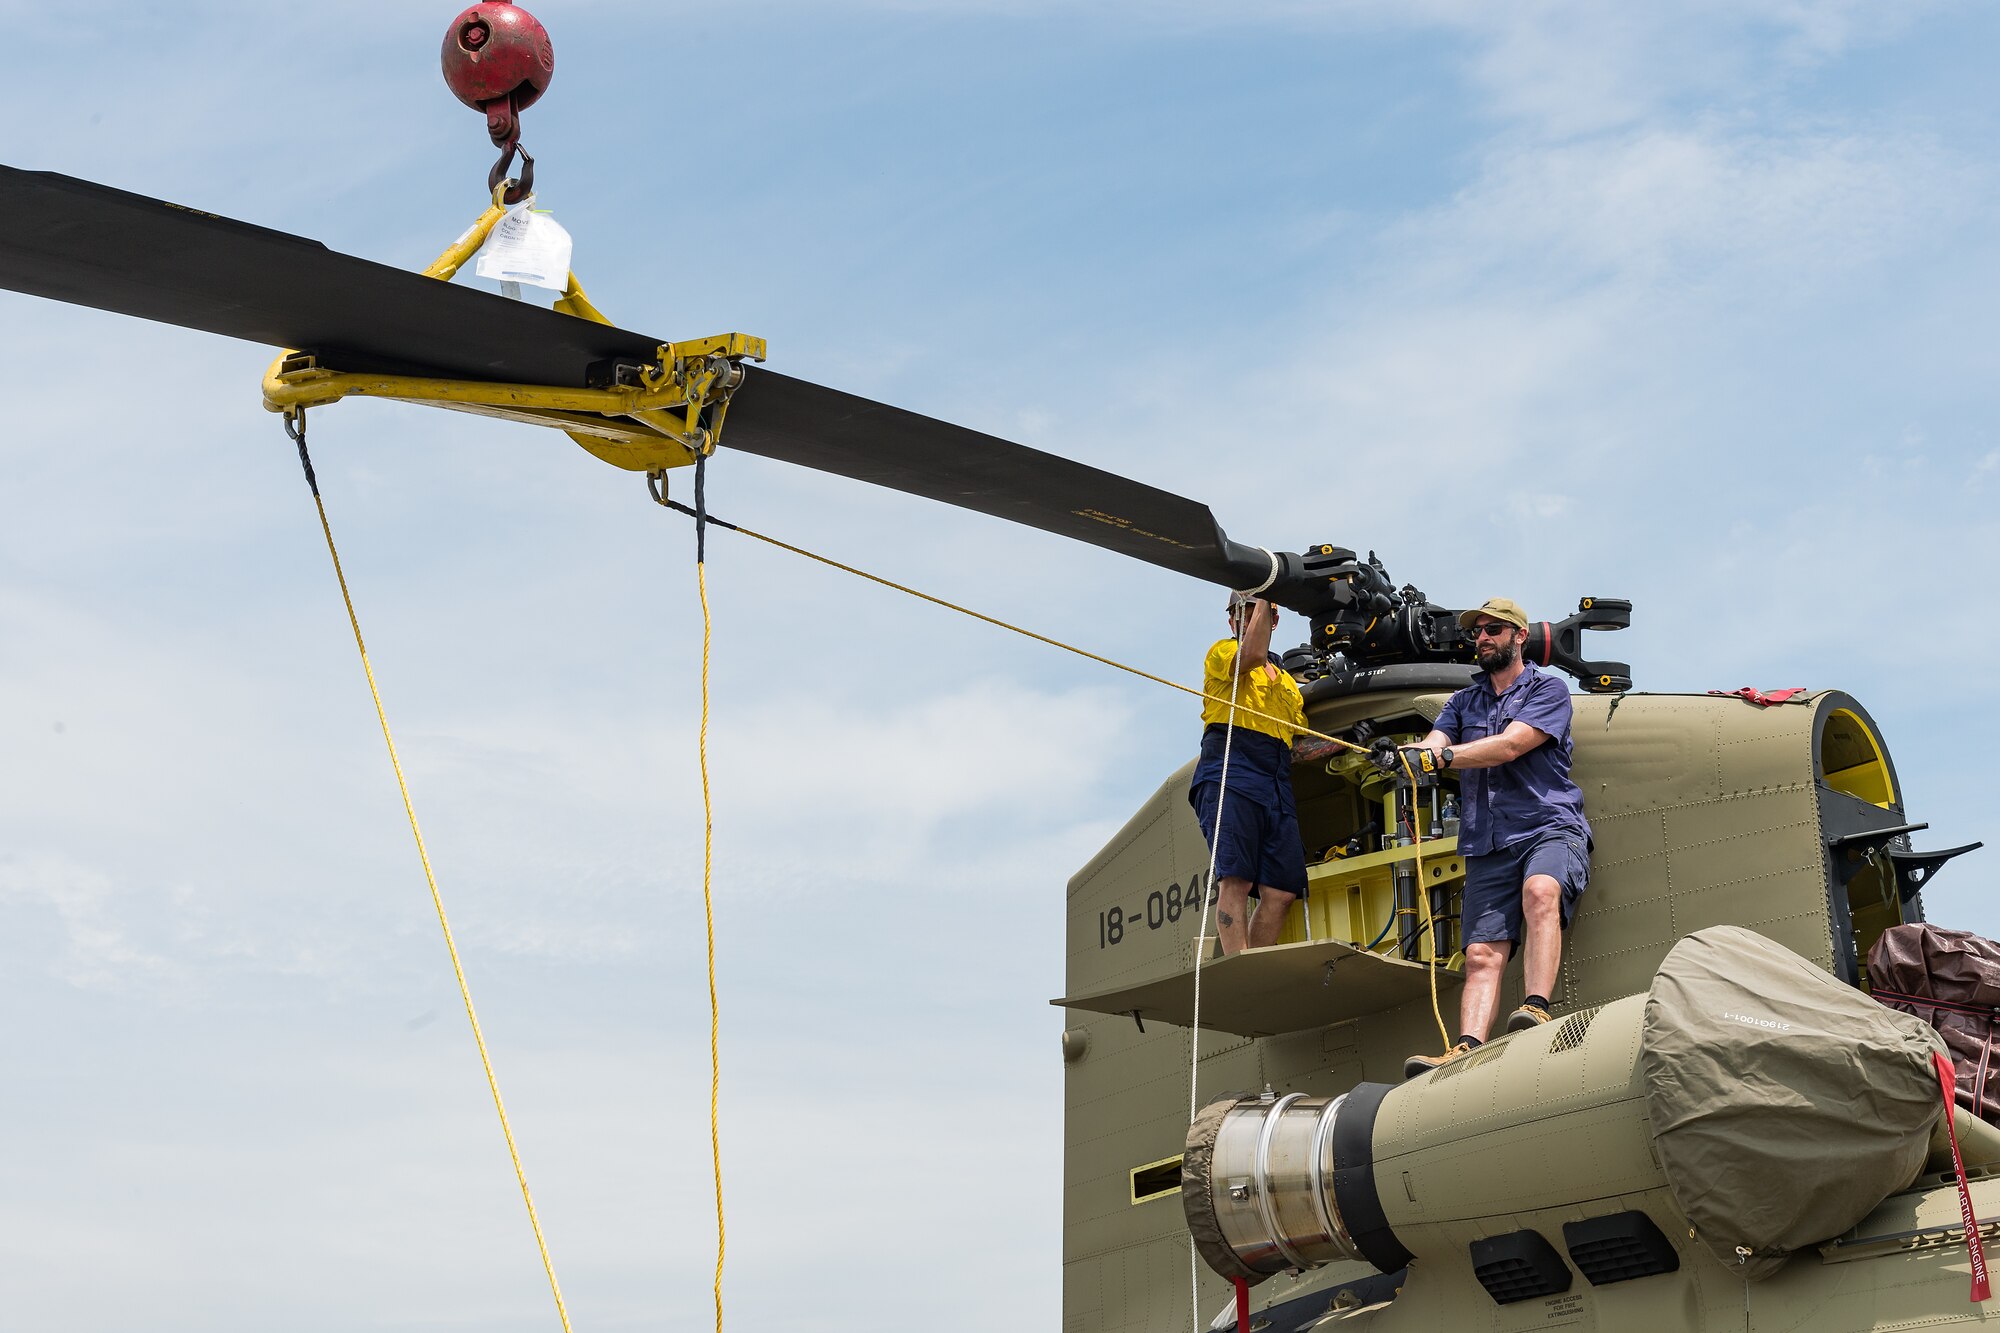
(1689, 304)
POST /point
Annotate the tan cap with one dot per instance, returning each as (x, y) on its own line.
(1495, 608)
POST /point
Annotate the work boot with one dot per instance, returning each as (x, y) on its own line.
(1424, 1064)
(1529, 1015)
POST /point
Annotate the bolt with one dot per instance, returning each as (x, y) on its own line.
(474, 34)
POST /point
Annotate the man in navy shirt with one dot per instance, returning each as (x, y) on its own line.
(1522, 833)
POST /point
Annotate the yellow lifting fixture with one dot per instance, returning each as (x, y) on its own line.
(653, 418)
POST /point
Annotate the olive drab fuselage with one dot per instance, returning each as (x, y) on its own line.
(1707, 810)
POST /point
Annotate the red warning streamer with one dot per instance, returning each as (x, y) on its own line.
(1243, 1303)
(1948, 1083)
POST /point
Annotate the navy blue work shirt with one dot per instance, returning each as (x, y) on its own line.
(1532, 794)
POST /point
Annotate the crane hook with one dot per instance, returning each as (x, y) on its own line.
(497, 59)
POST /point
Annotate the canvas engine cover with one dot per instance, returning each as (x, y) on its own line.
(1785, 1104)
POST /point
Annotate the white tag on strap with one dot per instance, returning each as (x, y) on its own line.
(527, 246)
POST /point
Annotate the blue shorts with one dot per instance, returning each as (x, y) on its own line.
(1258, 841)
(1490, 910)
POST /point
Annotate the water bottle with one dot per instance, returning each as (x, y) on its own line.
(1451, 816)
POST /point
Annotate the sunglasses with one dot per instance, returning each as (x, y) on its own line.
(1495, 631)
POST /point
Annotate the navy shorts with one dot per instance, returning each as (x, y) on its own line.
(1490, 911)
(1258, 841)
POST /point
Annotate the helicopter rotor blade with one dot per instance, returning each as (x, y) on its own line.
(87, 244)
(776, 416)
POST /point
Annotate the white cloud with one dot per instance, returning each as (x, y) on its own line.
(1565, 67)
(1699, 204)
(98, 952)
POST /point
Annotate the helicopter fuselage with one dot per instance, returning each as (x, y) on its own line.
(1706, 810)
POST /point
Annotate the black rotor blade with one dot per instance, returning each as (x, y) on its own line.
(775, 416)
(71, 240)
(87, 244)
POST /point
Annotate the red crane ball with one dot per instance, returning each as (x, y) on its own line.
(497, 52)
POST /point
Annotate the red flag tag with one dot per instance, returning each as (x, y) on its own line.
(1243, 1305)
(1948, 1084)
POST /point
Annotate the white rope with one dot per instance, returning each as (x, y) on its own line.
(1269, 578)
(1210, 889)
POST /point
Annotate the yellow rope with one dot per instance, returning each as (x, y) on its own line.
(708, 912)
(437, 901)
(1424, 898)
(1423, 889)
(1038, 638)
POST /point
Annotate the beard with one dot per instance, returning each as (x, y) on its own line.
(1499, 659)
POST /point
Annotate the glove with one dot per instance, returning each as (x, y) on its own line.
(1429, 763)
(1388, 756)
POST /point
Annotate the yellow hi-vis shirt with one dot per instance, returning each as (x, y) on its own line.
(1279, 698)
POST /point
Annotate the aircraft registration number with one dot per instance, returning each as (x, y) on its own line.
(1162, 907)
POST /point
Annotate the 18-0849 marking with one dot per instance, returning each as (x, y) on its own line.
(1161, 908)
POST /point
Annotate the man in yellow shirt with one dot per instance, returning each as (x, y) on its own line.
(1245, 804)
